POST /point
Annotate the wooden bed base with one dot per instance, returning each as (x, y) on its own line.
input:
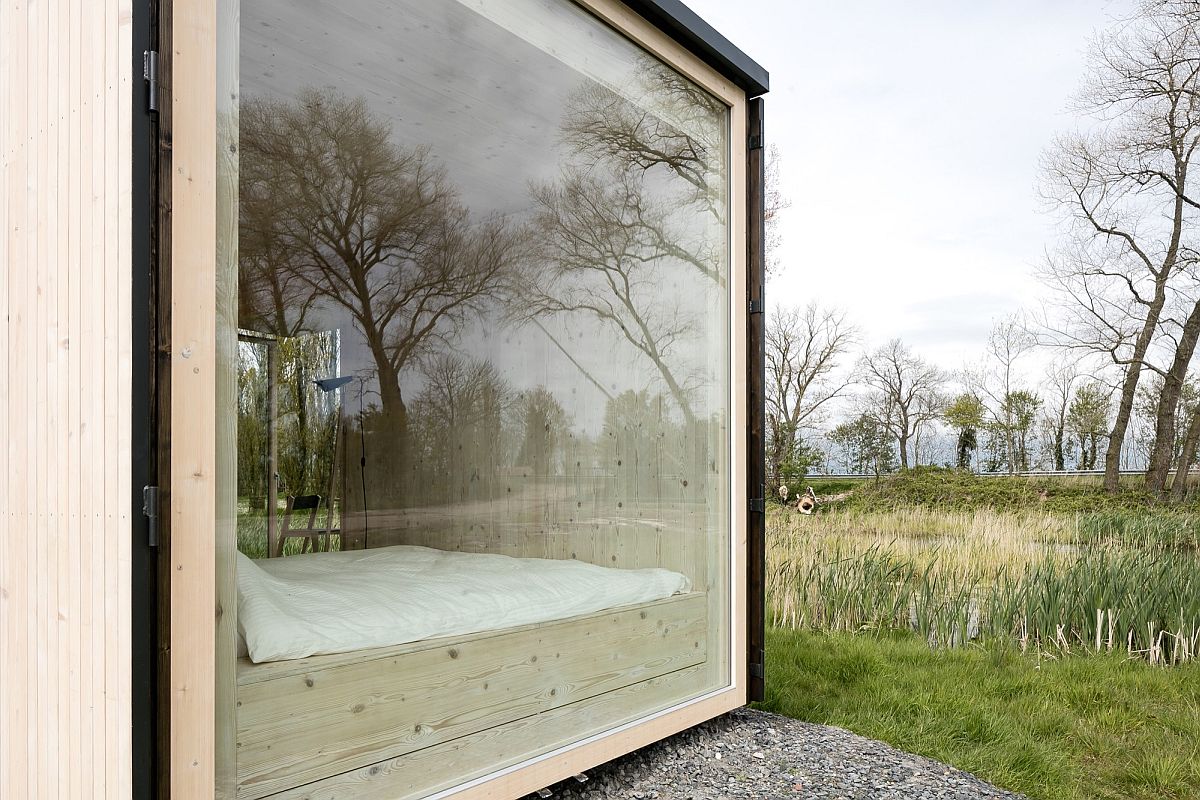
(416, 718)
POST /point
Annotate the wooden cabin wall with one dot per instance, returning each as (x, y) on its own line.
(65, 428)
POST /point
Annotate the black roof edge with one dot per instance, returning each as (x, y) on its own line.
(687, 28)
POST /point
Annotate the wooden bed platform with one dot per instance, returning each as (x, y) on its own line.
(413, 719)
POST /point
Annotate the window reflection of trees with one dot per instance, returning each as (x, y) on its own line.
(359, 222)
(459, 422)
(641, 200)
(337, 220)
(603, 128)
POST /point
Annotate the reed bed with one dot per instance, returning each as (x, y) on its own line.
(1051, 583)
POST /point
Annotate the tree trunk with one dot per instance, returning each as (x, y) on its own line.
(1011, 445)
(1190, 441)
(1133, 373)
(388, 478)
(965, 446)
(1168, 404)
(903, 442)
(1151, 326)
(776, 459)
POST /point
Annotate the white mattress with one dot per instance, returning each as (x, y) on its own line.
(336, 602)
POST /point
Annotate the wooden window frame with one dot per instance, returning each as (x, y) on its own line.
(194, 688)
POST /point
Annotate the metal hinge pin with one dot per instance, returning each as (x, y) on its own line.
(150, 75)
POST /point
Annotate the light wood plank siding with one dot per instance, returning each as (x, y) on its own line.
(66, 72)
(295, 729)
(194, 610)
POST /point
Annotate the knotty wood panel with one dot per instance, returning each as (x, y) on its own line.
(193, 365)
(298, 728)
(65, 291)
(443, 766)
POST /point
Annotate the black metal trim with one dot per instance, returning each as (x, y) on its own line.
(144, 588)
(686, 27)
(756, 469)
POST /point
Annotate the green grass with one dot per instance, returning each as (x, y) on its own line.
(1096, 727)
(252, 533)
(1157, 530)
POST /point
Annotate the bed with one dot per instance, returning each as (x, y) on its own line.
(377, 659)
(338, 602)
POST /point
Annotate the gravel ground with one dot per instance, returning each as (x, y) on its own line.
(755, 754)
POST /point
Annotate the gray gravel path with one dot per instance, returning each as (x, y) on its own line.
(753, 754)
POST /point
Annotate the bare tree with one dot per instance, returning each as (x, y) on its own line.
(906, 391)
(996, 381)
(544, 423)
(1169, 404)
(1187, 455)
(1123, 186)
(373, 228)
(457, 422)
(775, 204)
(1008, 342)
(1061, 379)
(642, 199)
(678, 128)
(603, 259)
(804, 348)
(1087, 419)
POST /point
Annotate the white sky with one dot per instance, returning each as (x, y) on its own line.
(910, 135)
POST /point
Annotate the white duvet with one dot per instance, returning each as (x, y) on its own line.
(336, 602)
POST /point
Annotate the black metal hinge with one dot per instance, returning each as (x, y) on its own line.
(150, 75)
(757, 669)
(757, 304)
(758, 505)
(150, 510)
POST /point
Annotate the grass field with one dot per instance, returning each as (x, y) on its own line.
(1038, 633)
(252, 532)
(1055, 729)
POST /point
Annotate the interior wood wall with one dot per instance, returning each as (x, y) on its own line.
(66, 68)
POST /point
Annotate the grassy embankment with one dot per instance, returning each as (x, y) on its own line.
(1038, 633)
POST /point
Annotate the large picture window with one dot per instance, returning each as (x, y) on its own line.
(476, 405)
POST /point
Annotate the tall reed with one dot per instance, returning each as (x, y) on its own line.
(1051, 582)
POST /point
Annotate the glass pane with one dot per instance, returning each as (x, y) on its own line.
(482, 363)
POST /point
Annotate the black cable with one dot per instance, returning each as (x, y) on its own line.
(362, 461)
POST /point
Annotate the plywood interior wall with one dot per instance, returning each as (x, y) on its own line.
(65, 171)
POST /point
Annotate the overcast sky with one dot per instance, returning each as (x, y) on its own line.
(910, 135)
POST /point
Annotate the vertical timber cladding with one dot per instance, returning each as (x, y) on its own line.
(192, 245)
(756, 534)
(66, 89)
